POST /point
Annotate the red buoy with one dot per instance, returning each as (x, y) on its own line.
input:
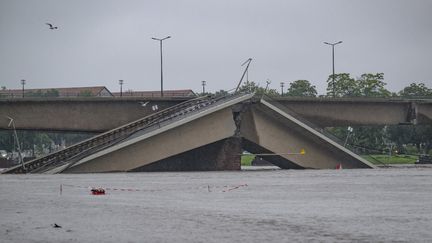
(98, 191)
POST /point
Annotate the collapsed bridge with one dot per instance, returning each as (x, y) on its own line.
(206, 133)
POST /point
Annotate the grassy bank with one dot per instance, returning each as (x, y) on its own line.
(398, 159)
(246, 159)
(377, 159)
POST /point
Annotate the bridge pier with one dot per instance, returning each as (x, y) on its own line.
(220, 155)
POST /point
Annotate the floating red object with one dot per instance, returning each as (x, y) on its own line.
(98, 191)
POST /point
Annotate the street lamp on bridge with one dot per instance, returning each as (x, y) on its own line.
(333, 76)
(160, 42)
(121, 87)
(23, 82)
(203, 83)
(282, 84)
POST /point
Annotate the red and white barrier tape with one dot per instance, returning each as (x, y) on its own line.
(209, 188)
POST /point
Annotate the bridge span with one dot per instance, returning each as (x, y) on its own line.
(206, 133)
(103, 114)
(211, 133)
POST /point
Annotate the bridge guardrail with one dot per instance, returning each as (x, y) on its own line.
(100, 139)
(77, 151)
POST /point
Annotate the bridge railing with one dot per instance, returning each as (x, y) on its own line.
(181, 112)
(99, 142)
(352, 148)
(101, 139)
(303, 120)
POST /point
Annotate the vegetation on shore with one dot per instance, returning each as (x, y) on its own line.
(246, 159)
(379, 159)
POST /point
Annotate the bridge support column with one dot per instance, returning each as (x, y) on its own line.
(220, 155)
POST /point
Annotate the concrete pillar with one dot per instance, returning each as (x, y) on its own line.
(220, 155)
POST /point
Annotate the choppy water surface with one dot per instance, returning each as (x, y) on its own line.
(277, 206)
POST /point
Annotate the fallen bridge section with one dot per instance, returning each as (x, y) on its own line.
(186, 126)
(271, 127)
(207, 133)
(198, 130)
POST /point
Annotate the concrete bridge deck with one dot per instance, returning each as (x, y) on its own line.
(207, 133)
(103, 114)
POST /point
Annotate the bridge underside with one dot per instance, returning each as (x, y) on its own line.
(215, 141)
(220, 155)
(270, 128)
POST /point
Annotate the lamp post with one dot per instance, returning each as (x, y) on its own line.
(203, 83)
(23, 82)
(333, 76)
(282, 86)
(160, 42)
(121, 87)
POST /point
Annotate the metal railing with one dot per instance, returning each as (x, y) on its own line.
(99, 142)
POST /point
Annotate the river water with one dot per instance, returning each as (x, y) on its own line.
(360, 205)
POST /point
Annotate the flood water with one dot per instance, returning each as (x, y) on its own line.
(360, 205)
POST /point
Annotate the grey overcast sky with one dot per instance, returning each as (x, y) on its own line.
(101, 41)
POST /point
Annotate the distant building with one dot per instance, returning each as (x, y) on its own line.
(166, 93)
(97, 91)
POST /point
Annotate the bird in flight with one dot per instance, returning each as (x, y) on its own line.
(143, 103)
(51, 26)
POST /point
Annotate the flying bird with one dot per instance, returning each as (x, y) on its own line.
(143, 103)
(51, 26)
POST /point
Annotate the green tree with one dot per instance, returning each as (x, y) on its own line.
(221, 93)
(343, 86)
(416, 90)
(41, 141)
(253, 87)
(423, 138)
(371, 138)
(365, 139)
(368, 85)
(372, 85)
(301, 88)
(400, 136)
(6, 140)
